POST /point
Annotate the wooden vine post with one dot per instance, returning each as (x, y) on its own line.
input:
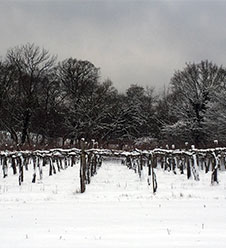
(140, 166)
(154, 181)
(149, 169)
(214, 178)
(187, 162)
(194, 164)
(83, 167)
(21, 171)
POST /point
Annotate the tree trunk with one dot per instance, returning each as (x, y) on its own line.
(27, 117)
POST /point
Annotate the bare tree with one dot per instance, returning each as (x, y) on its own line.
(7, 75)
(192, 90)
(32, 64)
(79, 83)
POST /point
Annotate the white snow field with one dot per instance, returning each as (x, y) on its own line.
(117, 210)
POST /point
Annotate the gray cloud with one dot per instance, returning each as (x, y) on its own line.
(140, 42)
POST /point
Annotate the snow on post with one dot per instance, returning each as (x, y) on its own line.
(214, 172)
(215, 142)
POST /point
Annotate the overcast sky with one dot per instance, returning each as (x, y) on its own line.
(141, 42)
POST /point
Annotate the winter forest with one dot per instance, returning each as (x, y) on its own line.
(46, 102)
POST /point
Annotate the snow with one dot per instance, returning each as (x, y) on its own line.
(118, 209)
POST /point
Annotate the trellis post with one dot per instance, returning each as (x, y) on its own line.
(83, 167)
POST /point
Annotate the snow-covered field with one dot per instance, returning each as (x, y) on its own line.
(117, 210)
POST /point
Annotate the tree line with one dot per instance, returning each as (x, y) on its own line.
(67, 99)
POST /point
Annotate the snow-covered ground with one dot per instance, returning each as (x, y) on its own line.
(117, 210)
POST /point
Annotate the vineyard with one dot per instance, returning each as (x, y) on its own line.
(188, 162)
(163, 197)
